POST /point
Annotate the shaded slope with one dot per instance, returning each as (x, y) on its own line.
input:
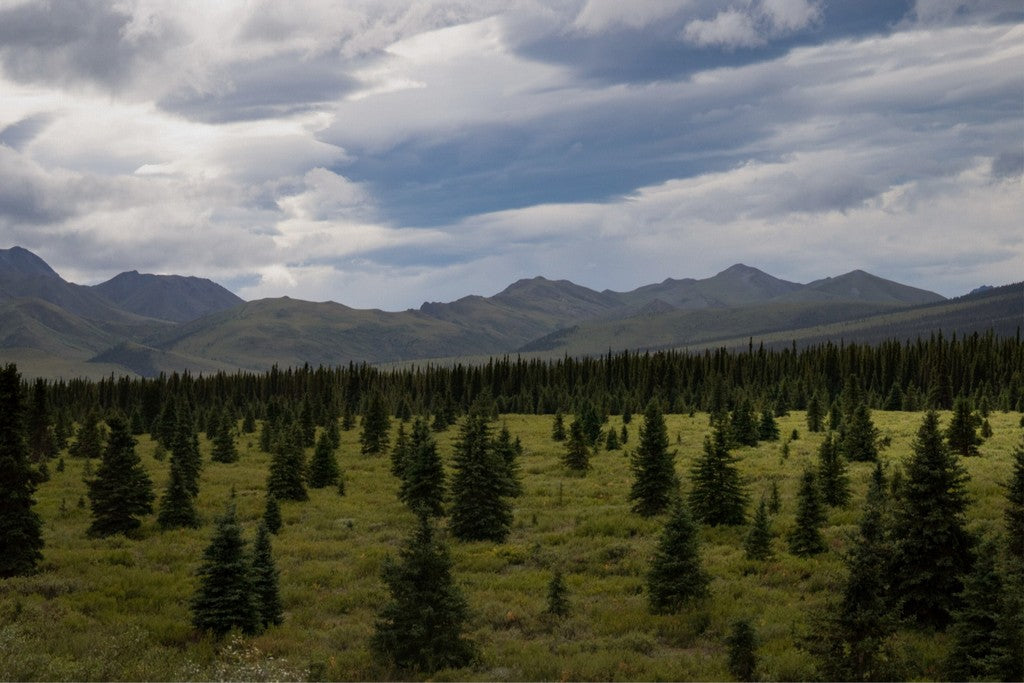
(167, 297)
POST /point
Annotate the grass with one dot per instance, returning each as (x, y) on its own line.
(117, 609)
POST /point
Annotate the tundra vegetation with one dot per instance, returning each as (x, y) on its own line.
(550, 571)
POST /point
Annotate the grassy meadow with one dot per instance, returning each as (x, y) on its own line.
(118, 608)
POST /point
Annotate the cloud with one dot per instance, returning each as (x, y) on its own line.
(382, 152)
(730, 29)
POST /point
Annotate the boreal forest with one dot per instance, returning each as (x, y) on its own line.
(829, 512)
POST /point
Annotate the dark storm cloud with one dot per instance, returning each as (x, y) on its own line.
(22, 132)
(28, 195)
(658, 51)
(271, 87)
(70, 40)
(1008, 164)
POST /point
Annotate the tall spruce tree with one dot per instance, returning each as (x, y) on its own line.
(224, 449)
(507, 451)
(576, 455)
(480, 507)
(834, 482)
(225, 598)
(768, 428)
(758, 543)
(654, 474)
(420, 629)
(676, 576)
(21, 539)
(375, 436)
(742, 642)
(90, 438)
(815, 413)
(400, 452)
(717, 495)
(121, 491)
(805, 538)
(962, 432)
(39, 426)
(423, 480)
(272, 514)
(1013, 517)
(265, 578)
(323, 466)
(976, 651)
(855, 640)
(287, 477)
(185, 449)
(177, 506)
(858, 436)
(933, 546)
(743, 426)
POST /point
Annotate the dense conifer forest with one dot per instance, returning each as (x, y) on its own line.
(840, 511)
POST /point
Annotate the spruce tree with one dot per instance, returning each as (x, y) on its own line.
(225, 598)
(576, 455)
(933, 546)
(558, 427)
(323, 466)
(856, 636)
(21, 539)
(976, 649)
(423, 481)
(835, 484)
(758, 543)
(742, 644)
(676, 576)
(224, 449)
(1013, 516)
(272, 514)
(265, 580)
(611, 442)
(654, 475)
(774, 501)
(480, 507)
(743, 427)
(590, 421)
(121, 490)
(768, 429)
(815, 413)
(375, 437)
(507, 451)
(717, 495)
(287, 477)
(39, 433)
(185, 449)
(177, 506)
(420, 629)
(805, 539)
(962, 432)
(558, 602)
(858, 440)
(90, 438)
(400, 452)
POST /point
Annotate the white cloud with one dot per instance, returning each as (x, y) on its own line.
(730, 28)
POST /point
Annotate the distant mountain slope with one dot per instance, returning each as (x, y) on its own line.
(167, 297)
(287, 331)
(860, 286)
(146, 324)
(738, 285)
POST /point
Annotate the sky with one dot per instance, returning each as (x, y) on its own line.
(383, 153)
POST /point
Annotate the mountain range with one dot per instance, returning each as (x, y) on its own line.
(146, 324)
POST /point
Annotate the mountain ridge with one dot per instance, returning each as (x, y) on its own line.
(147, 324)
